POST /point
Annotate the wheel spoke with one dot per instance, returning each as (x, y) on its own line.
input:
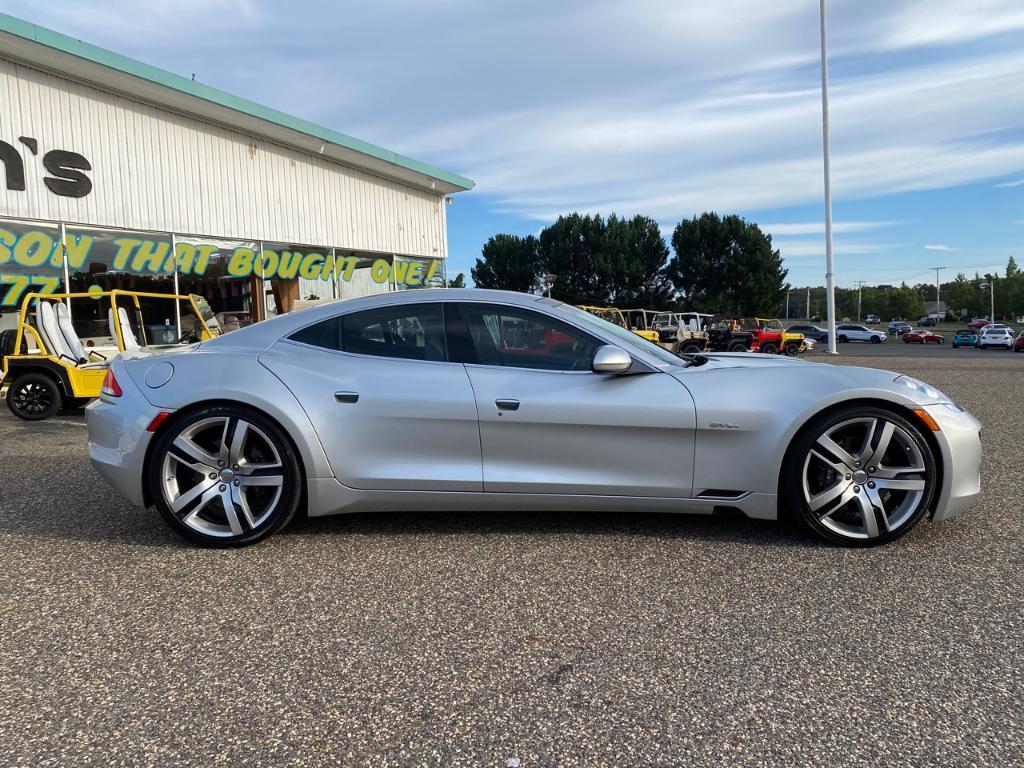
(878, 452)
(195, 452)
(202, 489)
(240, 501)
(839, 467)
(840, 453)
(231, 511)
(224, 456)
(258, 468)
(236, 451)
(828, 496)
(250, 481)
(908, 484)
(867, 514)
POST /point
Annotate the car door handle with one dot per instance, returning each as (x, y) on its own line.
(346, 397)
(506, 404)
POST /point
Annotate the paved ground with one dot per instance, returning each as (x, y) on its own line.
(457, 640)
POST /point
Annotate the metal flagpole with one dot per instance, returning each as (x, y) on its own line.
(830, 287)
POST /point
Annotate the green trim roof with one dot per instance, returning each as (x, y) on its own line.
(102, 56)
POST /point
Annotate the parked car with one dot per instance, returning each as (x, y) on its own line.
(848, 332)
(1018, 345)
(978, 323)
(899, 327)
(923, 337)
(926, 322)
(416, 400)
(810, 332)
(966, 337)
(872, 319)
(995, 337)
(815, 319)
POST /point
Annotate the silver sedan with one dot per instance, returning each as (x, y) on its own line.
(487, 400)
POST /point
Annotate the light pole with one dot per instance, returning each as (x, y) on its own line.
(991, 285)
(549, 283)
(860, 285)
(830, 287)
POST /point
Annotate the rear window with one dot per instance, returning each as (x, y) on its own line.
(409, 332)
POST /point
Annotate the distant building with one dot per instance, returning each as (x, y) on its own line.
(936, 309)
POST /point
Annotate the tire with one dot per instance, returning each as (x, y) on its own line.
(737, 346)
(34, 397)
(792, 349)
(841, 339)
(876, 340)
(768, 348)
(906, 340)
(828, 468)
(690, 348)
(252, 494)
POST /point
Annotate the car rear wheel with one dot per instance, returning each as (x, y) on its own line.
(34, 397)
(737, 346)
(841, 339)
(861, 476)
(690, 348)
(225, 476)
(768, 348)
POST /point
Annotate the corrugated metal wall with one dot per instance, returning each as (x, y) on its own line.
(155, 169)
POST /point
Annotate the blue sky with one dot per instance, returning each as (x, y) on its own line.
(666, 108)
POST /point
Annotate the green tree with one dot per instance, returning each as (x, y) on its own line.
(459, 281)
(726, 264)
(630, 265)
(508, 262)
(570, 249)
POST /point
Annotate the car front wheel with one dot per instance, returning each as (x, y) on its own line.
(860, 477)
(34, 397)
(225, 476)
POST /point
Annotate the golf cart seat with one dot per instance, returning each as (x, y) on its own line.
(59, 335)
(130, 342)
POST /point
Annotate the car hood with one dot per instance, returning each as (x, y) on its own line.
(747, 360)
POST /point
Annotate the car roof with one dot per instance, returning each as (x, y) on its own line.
(265, 333)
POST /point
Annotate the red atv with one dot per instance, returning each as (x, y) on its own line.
(767, 340)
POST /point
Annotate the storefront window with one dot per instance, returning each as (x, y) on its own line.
(219, 271)
(31, 261)
(110, 259)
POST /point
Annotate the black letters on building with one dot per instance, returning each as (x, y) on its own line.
(67, 177)
(67, 167)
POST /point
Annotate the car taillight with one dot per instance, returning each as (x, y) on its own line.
(110, 386)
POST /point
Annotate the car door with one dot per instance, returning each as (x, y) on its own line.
(390, 410)
(550, 425)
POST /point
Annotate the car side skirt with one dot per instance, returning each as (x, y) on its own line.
(326, 496)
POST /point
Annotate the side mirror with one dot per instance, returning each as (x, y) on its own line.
(612, 360)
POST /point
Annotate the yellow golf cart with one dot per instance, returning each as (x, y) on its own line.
(615, 315)
(46, 365)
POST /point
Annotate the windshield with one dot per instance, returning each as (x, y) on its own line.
(627, 339)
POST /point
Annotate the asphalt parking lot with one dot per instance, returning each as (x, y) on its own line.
(551, 640)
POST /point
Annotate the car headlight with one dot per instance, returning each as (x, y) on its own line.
(926, 391)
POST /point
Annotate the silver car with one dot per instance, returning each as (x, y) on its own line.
(487, 400)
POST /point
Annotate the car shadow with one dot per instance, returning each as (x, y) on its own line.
(721, 527)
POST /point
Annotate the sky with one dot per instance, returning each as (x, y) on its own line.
(666, 108)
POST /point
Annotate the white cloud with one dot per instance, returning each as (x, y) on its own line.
(1009, 184)
(938, 248)
(818, 227)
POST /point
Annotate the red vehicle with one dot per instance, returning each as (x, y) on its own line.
(923, 337)
(1018, 345)
(767, 340)
(978, 323)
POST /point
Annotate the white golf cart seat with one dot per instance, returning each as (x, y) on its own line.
(67, 330)
(49, 330)
(130, 342)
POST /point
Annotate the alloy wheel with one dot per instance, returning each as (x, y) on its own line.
(32, 397)
(222, 476)
(865, 478)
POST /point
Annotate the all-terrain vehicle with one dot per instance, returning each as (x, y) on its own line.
(726, 336)
(688, 334)
(791, 343)
(45, 363)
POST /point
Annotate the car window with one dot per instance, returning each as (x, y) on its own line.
(519, 338)
(408, 331)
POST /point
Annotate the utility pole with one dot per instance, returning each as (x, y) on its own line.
(808, 303)
(830, 287)
(937, 270)
(787, 304)
(860, 285)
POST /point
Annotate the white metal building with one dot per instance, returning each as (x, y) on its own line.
(119, 174)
